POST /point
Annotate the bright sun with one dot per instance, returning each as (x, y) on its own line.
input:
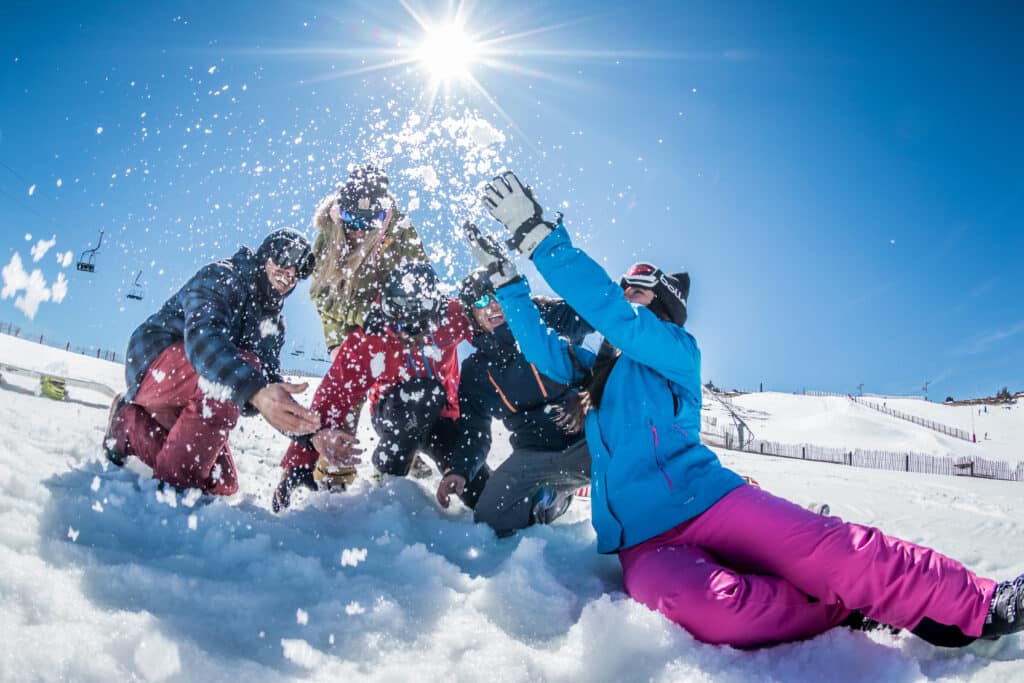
(447, 52)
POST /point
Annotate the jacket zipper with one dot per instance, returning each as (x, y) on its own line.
(657, 460)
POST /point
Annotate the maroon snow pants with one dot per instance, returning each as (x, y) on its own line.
(177, 430)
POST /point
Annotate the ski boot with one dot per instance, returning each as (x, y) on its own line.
(1006, 611)
(301, 477)
(115, 441)
(549, 505)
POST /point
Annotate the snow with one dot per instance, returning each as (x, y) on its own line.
(839, 422)
(105, 579)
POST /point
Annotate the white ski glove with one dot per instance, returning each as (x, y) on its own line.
(500, 268)
(513, 206)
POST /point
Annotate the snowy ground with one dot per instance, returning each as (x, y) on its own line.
(103, 580)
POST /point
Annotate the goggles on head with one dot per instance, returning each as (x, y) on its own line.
(484, 301)
(643, 275)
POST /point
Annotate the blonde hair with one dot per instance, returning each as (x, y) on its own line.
(337, 263)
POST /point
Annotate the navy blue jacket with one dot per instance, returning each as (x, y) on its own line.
(498, 382)
(225, 308)
(650, 472)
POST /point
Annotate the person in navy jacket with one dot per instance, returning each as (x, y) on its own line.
(728, 561)
(549, 459)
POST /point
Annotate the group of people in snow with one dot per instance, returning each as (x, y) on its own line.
(601, 387)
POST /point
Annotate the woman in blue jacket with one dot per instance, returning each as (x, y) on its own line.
(728, 561)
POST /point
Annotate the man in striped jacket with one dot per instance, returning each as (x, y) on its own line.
(208, 355)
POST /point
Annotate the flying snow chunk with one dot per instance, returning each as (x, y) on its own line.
(158, 375)
(301, 653)
(301, 616)
(413, 204)
(73, 535)
(377, 364)
(353, 608)
(99, 130)
(351, 557)
(193, 522)
(31, 190)
(156, 658)
(268, 327)
(42, 246)
(16, 279)
(95, 486)
(211, 69)
(60, 181)
(65, 259)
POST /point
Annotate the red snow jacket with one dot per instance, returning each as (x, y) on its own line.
(369, 365)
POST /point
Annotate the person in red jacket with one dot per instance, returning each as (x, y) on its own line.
(404, 361)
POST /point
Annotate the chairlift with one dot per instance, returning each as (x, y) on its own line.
(87, 261)
(136, 293)
(318, 359)
(298, 351)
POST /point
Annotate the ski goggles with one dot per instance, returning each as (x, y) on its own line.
(362, 219)
(484, 301)
(294, 255)
(642, 275)
(413, 327)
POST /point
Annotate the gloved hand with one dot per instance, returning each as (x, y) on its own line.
(294, 477)
(500, 268)
(513, 206)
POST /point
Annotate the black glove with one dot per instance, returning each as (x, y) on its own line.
(293, 477)
(500, 268)
(513, 206)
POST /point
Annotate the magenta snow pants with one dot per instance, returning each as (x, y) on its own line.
(755, 570)
(173, 427)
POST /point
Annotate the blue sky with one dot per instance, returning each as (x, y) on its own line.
(844, 184)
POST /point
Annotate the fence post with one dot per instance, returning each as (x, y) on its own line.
(908, 462)
(762, 448)
(803, 452)
(849, 457)
(97, 353)
(67, 347)
(40, 339)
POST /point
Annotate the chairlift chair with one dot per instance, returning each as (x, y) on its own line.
(87, 261)
(136, 293)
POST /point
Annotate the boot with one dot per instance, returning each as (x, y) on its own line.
(113, 447)
(549, 505)
(1006, 611)
(301, 477)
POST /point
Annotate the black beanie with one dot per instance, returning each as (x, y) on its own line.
(364, 182)
(670, 290)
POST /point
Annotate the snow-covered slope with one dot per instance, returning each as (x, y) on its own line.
(105, 580)
(839, 422)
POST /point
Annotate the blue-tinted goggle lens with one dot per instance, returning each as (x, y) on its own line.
(362, 219)
(483, 302)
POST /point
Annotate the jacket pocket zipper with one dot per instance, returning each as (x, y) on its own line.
(657, 460)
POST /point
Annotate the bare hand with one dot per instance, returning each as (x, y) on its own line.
(452, 483)
(339, 447)
(277, 407)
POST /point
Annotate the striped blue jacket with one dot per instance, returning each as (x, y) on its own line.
(225, 308)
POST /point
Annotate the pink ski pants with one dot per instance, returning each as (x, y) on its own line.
(180, 432)
(755, 570)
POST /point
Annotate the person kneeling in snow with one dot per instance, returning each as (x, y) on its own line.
(208, 355)
(549, 459)
(404, 360)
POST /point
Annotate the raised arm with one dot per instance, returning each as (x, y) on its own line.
(638, 333)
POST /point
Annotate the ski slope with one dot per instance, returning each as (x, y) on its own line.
(103, 579)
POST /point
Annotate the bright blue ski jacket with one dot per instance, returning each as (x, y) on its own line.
(650, 472)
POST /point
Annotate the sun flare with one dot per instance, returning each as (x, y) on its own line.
(447, 52)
